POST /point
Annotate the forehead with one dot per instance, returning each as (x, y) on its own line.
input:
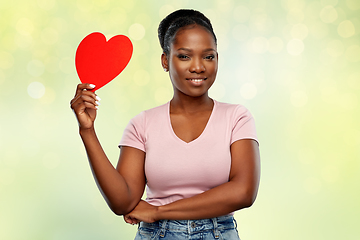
(194, 35)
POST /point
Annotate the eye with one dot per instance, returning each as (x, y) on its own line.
(210, 57)
(182, 57)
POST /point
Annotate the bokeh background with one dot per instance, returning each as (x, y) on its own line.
(294, 63)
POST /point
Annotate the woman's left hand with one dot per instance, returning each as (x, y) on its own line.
(143, 212)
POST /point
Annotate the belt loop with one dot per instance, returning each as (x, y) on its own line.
(163, 228)
(216, 230)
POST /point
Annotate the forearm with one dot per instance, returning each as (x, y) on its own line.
(111, 184)
(215, 202)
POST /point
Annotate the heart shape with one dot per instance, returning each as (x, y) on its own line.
(99, 61)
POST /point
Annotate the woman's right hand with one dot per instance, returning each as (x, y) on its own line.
(85, 104)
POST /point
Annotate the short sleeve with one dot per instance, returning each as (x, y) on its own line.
(134, 133)
(243, 125)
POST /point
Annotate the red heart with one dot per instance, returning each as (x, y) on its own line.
(99, 61)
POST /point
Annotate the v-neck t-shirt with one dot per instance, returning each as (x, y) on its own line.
(176, 169)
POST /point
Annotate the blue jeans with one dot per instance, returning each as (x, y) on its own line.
(214, 228)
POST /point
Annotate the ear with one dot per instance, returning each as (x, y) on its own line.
(164, 62)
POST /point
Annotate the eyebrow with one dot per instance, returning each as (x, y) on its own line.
(189, 50)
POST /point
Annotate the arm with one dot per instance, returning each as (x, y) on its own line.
(239, 192)
(122, 187)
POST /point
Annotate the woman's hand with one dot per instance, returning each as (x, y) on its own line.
(84, 104)
(143, 212)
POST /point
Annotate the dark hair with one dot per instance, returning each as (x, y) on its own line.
(170, 25)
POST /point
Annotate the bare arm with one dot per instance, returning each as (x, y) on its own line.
(239, 192)
(113, 183)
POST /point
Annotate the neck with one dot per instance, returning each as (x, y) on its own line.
(187, 104)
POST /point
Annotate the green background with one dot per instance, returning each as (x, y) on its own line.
(294, 63)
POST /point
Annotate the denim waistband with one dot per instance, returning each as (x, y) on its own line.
(192, 226)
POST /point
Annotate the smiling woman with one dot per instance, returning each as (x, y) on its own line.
(198, 158)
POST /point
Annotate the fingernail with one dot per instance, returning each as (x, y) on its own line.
(97, 107)
(92, 85)
(98, 98)
(97, 103)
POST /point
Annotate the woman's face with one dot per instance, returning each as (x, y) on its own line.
(192, 61)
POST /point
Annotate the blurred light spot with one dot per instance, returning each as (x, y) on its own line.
(52, 64)
(330, 173)
(295, 47)
(162, 95)
(346, 29)
(240, 32)
(299, 98)
(141, 77)
(248, 91)
(51, 160)
(46, 4)
(217, 90)
(293, 4)
(260, 45)
(353, 53)
(136, 31)
(299, 31)
(241, 14)
(85, 5)
(335, 48)
(329, 2)
(312, 185)
(295, 16)
(35, 68)
(67, 65)
(224, 5)
(275, 45)
(36, 90)
(49, 36)
(23, 41)
(6, 60)
(7, 176)
(165, 10)
(319, 30)
(353, 4)
(306, 156)
(24, 26)
(261, 23)
(328, 14)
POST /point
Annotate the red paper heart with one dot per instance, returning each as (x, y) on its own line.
(99, 61)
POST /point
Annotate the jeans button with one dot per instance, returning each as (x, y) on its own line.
(193, 225)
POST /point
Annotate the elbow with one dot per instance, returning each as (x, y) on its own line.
(245, 199)
(119, 208)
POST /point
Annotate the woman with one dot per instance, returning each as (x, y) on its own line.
(198, 158)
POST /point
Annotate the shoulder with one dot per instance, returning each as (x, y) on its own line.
(144, 116)
(232, 110)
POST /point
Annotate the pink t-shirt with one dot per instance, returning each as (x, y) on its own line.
(175, 169)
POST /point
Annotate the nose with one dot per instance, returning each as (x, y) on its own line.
(197, 66)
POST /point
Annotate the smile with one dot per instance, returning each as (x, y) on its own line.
(196, 80)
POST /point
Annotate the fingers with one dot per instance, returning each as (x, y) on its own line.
(131, 220)
(89, 98)
(84, 86)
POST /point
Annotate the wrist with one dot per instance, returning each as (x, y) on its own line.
(86, 131)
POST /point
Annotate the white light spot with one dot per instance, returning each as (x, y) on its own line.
(36, 90)
(346, 29)
(248, 91)
(24, 26)
(353, 53)
(295, 16)
(136, 31)
(275, 45)
(328, 14)
(241, 14)
(299, 31)
(295, 47)
(299, 98)
(6, 60)
(335, 48)
(319, 30)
